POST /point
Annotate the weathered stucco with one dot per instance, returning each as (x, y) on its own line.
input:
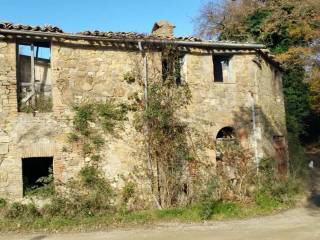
(80, 71)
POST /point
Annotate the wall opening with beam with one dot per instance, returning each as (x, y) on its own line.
(34, 77)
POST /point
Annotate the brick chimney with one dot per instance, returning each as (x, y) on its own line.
(163, 29)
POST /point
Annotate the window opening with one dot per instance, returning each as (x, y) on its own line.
(34, 77)
(172, 64)
(221, 68)
(36, 172)
(225, 137)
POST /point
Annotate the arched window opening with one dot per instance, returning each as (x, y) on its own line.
(226, 133)
(226, 137)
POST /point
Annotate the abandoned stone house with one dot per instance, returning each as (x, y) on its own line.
(236, 91)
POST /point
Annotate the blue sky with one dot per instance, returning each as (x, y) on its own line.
(107, 15)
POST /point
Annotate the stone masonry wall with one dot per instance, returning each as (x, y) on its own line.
(271, 111)
(221, 104)
(81, 73)
(9, 167)
(86, 74)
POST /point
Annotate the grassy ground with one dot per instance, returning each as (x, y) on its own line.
(209, 211)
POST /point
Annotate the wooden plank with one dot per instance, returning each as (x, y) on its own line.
(32, 76)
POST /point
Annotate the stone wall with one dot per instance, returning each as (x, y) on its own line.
(9, 165)
(95, 74)
(81, 72)
(270, 111)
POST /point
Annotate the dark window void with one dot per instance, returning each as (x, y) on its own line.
(220, 67)
(172, 64)
(34, 170)
(34, 77)
(225, 137)
(226, 133)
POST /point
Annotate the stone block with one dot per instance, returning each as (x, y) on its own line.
(4, 148)
(4, 138)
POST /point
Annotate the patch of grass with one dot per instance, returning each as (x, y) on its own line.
(266, 202)
(208, 209)
(135, 217)
(30, 220)
(170, 213)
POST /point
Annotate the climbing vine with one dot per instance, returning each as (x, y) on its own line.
(166, 136)
(92, 121)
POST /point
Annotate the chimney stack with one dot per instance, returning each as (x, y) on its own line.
(163, 29)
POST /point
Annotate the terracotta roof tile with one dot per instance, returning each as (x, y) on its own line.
(45, 28)
(134, 35)
(110, 35)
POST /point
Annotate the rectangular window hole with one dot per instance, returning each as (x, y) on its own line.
(36, 172)
(172, 64)
(34, 77)
(221, 67)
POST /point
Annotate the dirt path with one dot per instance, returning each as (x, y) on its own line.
(296, 224)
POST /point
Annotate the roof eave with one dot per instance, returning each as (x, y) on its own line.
(70, 36)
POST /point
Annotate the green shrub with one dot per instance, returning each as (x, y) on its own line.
(98, 141)
(211, 188)
(44, 191)
(109, 115)
(274, 189)
(129, 78)
(128, 191)
(26, 108)
(89, 195)
(18, 210)
(73, 137)
(15, 210)
(3, 203)
(84, 114)
(87, 148)
(95, 158)
(89, 175)
(92, 194)
(57, 207)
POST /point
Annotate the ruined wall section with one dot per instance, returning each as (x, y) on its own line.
(22, 135)
(220, 104)
(8, 104)
(9, 168)
(271, 109)
(83, 74)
